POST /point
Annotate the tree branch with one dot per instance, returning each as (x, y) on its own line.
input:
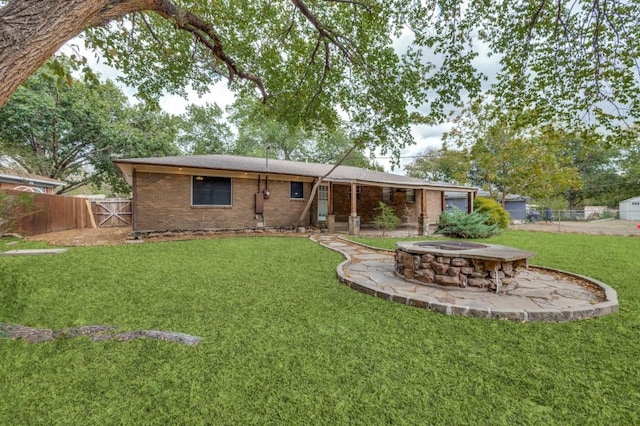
(307, 207)
(327, 33)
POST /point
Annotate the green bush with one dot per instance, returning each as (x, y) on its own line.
(12, 208)
(458, 224)
(387, 219)
(497, 215)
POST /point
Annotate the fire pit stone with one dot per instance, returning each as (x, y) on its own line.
(460, 264)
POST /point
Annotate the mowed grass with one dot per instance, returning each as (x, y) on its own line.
(285, 343)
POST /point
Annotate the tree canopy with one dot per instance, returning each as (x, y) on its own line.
(70, 130)
(375, 64)
(492, 151)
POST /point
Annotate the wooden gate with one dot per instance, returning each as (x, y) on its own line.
(111, 212)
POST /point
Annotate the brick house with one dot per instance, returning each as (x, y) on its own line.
(217, 192)
(21, 181)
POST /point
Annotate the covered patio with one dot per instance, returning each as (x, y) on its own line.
(353, 204)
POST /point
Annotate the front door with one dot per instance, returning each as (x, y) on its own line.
(323, 202)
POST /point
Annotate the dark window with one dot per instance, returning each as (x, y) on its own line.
(211, 191)
(358, 192)
(410, 196)
(387, 194)
(297, 190)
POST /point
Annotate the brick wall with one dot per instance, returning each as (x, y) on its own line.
(371, 195)
(12, 186)
(434, 205)
(163, 202)
(342, 202)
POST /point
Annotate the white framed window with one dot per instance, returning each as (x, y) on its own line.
(210, 191)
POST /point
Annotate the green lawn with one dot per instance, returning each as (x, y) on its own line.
(285, 343)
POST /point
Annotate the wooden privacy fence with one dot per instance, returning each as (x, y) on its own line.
(110, 212)
(49, 213)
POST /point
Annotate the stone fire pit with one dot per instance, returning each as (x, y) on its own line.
(460, 264)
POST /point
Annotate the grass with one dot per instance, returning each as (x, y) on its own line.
(285, 343)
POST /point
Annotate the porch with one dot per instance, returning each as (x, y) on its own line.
(351, 207)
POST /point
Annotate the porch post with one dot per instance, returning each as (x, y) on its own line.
(470, 198)
(354, 219)
(423, 218)
(330, 206)
(443, 201)
(331, 218)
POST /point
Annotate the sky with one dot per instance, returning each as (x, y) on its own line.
(425, 136)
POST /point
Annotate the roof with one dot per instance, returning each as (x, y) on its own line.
(630, 199)
(346, 174)
(18, 176)
(481, 193)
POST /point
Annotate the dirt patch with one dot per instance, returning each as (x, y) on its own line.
(121, 235)
(85, 237)
(97, 333)
(113, 236)
(596, 227)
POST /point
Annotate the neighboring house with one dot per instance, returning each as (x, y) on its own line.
(20, 181)
(217, 192)
(630, 209)
(516, 205)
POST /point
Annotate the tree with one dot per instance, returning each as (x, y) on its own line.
(203, 130)
(441, 164)
(70, 130)
(598, 170)
(386, 219)
(509, 154)
(258, 128)
(575, 62)
(629, 174)
(306, 61)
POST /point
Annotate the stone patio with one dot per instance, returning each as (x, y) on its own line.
(541, 294)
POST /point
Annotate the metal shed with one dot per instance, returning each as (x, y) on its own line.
(630, 209)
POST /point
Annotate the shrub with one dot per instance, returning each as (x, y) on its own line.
(496, 214)
(458, 224)
(387, 219)
(12, 208)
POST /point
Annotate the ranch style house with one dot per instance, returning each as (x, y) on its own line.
(225, 192)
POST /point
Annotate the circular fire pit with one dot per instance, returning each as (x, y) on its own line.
(451, 245)
(461, 264)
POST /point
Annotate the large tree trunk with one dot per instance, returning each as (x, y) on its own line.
(31, 31)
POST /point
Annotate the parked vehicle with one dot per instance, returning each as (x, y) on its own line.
(532, 217)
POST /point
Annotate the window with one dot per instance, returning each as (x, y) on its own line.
(387, 192)
(410, 196)
(211, 191)
(297, 190)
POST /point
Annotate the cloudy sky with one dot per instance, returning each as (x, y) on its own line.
(424, 136)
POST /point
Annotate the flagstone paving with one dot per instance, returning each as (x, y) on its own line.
(540, 294)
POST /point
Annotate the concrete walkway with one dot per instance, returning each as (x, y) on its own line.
(541, 294)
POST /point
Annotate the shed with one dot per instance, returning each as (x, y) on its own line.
(514, 204)
(630, 209)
